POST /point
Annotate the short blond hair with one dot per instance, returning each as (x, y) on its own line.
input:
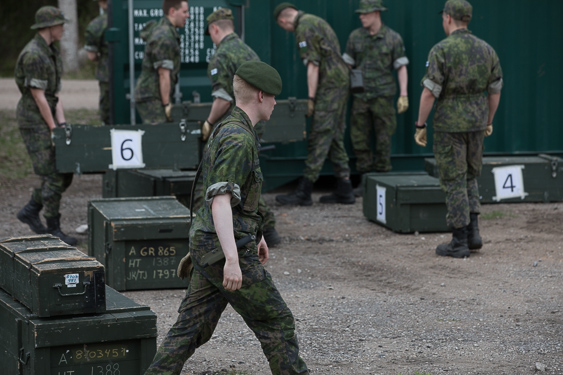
(244, 91)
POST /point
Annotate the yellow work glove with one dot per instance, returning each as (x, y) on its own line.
(310, 107)
(420, 136)
(489, 130)
(402, 104)
(168, 112)
(185, 267)
(206, 129)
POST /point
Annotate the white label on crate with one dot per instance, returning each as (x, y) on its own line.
(126, 149)
(71, 280)
(381, 204)
(509, 182)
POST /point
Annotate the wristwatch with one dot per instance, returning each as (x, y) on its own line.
(419, 126)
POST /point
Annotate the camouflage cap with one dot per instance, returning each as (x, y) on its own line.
(219, 14)
(368, 6)
(262, 76)
(458, 9)
(281, 7)
(48, 16)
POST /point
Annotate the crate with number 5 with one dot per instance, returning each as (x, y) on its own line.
(405, 202)
(139, 240)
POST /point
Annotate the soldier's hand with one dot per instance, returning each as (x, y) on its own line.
(206, 129)
(402, 104)
(489, 130)
(185, 267)
(420, 136)
(168, 112)
(263, 251)
(310, 107)
(232, 275)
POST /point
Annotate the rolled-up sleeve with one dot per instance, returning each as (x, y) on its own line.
(221, 188)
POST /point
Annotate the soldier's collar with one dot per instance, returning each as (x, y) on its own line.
(461, 31)
(228, 37)
(296, 21)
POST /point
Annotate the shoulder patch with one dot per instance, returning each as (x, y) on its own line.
(427, 63)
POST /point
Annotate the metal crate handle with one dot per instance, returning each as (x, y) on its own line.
(58, 286)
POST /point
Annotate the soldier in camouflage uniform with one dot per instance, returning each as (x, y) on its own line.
(232, 179)
(328, 80)
(377, 51)
(98, 49)
(464, 75)
(38, 77)
(161, 63)
(230, 54)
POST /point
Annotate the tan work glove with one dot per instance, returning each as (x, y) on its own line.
(310, 107)
(206, 129)
(185, 267)
(168, 112)
(420, 136)
(402, 104)
(489, 130)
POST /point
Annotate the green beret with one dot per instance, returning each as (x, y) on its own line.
(368, 6)
(459, 10)
(262, 76)
(219, 14)
(281, 7)
(48, 16)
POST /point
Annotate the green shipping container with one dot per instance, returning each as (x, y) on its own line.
(121, 341)
(405, 202)
(139, 240)
(514, 179)
(50, 277)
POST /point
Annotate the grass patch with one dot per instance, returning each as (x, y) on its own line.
(496, 215)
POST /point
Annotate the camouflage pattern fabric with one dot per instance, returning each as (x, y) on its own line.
(377, 114)
(162, 50)
(464, 67)
(318, 44)
(95, 42)
(459, 158)
(231, 160)
(377, 56)
(151, 111)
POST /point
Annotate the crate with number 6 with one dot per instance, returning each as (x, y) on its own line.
(512, 179)
(139, 240)
(405, 202)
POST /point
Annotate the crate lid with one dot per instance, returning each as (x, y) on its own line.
(141, 208)
(164, 174)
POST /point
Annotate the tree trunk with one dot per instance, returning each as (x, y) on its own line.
(69, 41)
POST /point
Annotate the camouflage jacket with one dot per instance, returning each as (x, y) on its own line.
(230, 164)
(231, 53)
(317, 43)
(96, 43)
(460, 70)
(377, 56)
(38, 66)
(162, 50)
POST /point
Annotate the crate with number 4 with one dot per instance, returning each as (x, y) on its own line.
(121, 341)
(139, 240)
(405, 202)
(512, 179)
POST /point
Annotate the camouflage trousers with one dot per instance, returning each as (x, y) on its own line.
(326, 136)
(459, 158)
(379, 114)
(37, 140)
(103, 105)
(258, 302)
(151, 111)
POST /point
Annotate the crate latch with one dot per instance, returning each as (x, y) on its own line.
(183, 128)
(68, 134)
(554, 165)
(292, 105)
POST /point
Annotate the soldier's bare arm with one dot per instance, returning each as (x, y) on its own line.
(43, 105)
(164, 81)
(426, 103)
(494, 100)
(312, 78)
(218, 109)
(403, 80)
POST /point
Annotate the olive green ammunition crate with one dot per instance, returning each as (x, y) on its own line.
(139, 240)
(120, 341)
(88, 149)
(50, 277)
(512, 179)
(405, 202)
(287, 122)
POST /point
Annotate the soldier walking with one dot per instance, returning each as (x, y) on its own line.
(377, 51)
(464, 77)
(232, 181)
(38, 77)
(161, 63)
(328, 82)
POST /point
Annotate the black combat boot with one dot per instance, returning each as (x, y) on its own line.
(474, 241)
(54, 228)
(457, 247)
(343, 194)
(29, 215)
(301, 196)
(271, 236)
